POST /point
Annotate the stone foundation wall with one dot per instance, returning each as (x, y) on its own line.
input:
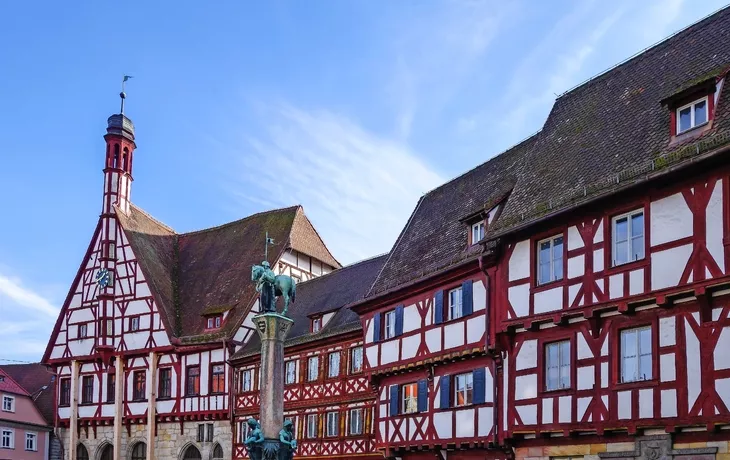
(169, 442)
(633, 450)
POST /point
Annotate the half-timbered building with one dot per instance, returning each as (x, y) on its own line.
(142, 341)
(570, 297)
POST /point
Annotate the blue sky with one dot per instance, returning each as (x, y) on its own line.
(352, 108)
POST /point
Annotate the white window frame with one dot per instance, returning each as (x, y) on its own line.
(552, 260)
(7, 434)
(333, 424)
(629, 235)
(477, 232)
(218, 320)
(691, 106)
(389, 323)
(409, 398)
(85, 330)
(316, 324)
(468, 384)
(312, 370)
(312, 422)
(290, 372)
(8, 403)
(641, 374)
(134, 324)
(561, 366)
(355, 417)
(33, 438)
(356, 358)
(456, 309)
(247, 380)
(333, 368)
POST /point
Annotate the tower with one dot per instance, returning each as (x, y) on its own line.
(118, 167)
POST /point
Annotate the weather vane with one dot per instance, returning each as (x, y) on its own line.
(266, 246)
(122, 95)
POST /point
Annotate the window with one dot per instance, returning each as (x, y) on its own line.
(463, 389)
(355, 422)
(218, 379)
(628, 237)
(409, 395)
(83, 331)
(356, 360)
(316, 324)
(455, 310)
(110, 387)
(31, 441)
(246, 380)
(165, 389)
(217, 452)
(312, 368)
(333, 364)
(112, 251)
(389, 324)
(134, 323)
(65, 392)
(209, 433)
(636, 357)
(81, 452)
(8, 403)
(218, 321)
(557, 365)
(333, 424)
(312, 421)
(139, 392)
(111, 279)
(201, 433)
(692, 115)
(140, 451)
(7, 441)
(550, 260)
(192, 381)
(214, 322)
(110, 327)
(291, 372)
(87, 389)
(477, 232)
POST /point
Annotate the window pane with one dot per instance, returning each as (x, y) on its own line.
(622, 251)
(685, 120)
(645, 367)
(637, 248)
(621, 229)
(628, 344)
(565, 376)
(552, 378)
(645, 341)
(544, 255)
(637, 224)
(544, 273)
(700, 113)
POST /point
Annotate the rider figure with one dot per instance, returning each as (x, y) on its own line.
(266, 286)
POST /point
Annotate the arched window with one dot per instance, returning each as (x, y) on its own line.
(107, 453)
(140, 451)
(192, 453)
(125, 156)
(217, 452)
(81, 452)
(115, 164)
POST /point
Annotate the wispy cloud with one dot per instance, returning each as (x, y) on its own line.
(13, 290)
(357, 188)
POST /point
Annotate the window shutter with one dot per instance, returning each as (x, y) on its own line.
(422, 395)
(479, 380)
(376, 327)
(398, 320)
(394, 392)
(438, 307)
(467, 298)
(445, 391)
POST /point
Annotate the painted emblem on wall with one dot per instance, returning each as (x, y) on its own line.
(102, 277)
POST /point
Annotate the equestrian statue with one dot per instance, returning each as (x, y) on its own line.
(270, 285)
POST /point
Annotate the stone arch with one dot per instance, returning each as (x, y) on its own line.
(82, 454)
(188, 452)
(133, 450)
(216, 452)
(105, 451)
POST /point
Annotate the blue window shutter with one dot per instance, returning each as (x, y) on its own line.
(445, 381)
(479, 381)
(376, 327)
(394, 392)
(467, 297)
(438, 307)
(398, 320)
(422, 395)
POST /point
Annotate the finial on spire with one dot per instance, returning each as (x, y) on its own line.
(122, 95)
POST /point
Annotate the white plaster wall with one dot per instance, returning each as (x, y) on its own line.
(547, 410)
(667, 370)
(694, 373)
(369, 332)
(598, 237)
(475, 328)
(636, 282)
(371, 353)
(598, 260)
(586, 377)
(519, 262)
(713, 230)
(564, 409)
(519, 298)
(669, 403)
(442, 424)
(548, 300)
(464, 423)
(723, 389)
(574, 239)
(667, 331)
(722, 350)
(576, 266)
(527, 357)
(479, 295)
(486, 421)
(624, 405)
(528, 413)
(583, 350)
(667, 266)
(616, 286)
(411, 319)
(582, 406)
(389, 351)
(525, 386)
(572, 292)
(410, 346)
(453, 335)
(433, 340)
(646, 403)
(671, 219)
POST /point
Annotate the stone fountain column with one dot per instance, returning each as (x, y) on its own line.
(273, 329)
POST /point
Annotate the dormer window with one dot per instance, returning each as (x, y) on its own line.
(692, 115)
(477, 232)
(316, 324)
(214, 322)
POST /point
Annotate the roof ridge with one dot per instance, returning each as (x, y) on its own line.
(149, 216)
(7, 376)
(227, 224)
(641, 52)
(301, 210)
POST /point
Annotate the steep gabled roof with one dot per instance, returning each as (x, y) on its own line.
(194, 272)
(32, 378)
(330, 293)
(608, 133)
(9, 385)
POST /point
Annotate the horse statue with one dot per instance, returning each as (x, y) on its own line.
(271, 286)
